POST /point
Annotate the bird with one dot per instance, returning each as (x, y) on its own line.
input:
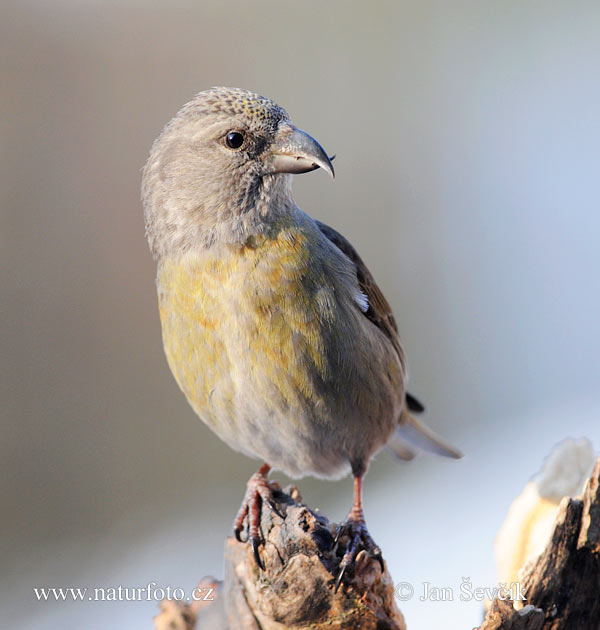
(273, 326)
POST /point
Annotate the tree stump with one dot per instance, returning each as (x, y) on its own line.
(296, 589)
(562, 585)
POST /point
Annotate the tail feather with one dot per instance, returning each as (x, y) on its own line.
(401, 448)
(414, 404)
(412, 436)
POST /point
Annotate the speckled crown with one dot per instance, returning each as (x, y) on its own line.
(235, 101)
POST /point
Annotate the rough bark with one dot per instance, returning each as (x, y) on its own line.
(296, 589)
(562, 585)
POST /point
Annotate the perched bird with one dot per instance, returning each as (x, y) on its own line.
(272, 325)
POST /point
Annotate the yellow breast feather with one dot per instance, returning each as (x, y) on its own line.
(250, 317)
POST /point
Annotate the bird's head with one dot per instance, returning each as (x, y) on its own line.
(220, 170)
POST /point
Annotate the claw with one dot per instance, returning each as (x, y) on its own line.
(338, 533)
(340, 576)
(359, 539)
(255, 548)
(258, 492)
(377, 555)
(275, 509)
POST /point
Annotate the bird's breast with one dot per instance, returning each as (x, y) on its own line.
(272, 352)
(259, 316)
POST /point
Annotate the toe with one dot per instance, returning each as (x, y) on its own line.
(359, 539)
(258, 492)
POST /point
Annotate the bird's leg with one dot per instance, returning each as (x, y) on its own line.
(259, 491)
(359, 537)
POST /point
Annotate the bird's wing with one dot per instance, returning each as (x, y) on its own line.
(410, 433)
(379, 310)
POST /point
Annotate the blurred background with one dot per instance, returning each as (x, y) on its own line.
(467, 138)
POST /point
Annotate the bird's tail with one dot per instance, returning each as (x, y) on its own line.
(412, 436)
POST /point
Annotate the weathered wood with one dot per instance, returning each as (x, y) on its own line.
(177, 615)
(296, 589)
(563, 583)
(502, 616)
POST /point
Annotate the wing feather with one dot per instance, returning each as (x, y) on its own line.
(411, 435)
(379, 311)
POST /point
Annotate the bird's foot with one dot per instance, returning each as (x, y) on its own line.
(259, 491)
(355, 529)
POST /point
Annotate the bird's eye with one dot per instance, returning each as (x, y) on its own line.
(234, 139)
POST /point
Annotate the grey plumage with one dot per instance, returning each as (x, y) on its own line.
(273, 326)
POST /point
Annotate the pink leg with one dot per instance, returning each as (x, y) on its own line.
(360, 538)
(259, 491)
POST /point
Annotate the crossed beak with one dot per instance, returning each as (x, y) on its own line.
(295, 151)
